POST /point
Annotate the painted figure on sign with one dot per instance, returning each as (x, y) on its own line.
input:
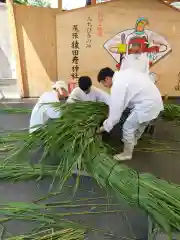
(137, 41)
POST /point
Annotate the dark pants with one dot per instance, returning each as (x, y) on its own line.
(117, 130)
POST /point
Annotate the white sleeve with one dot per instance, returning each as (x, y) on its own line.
(74, 95)
(116, 106)
(101, 96)
(52, 113)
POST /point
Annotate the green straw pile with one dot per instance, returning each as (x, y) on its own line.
(171, 112)
(23, 171)
(72, 142)
(52, 224)
(50, 234)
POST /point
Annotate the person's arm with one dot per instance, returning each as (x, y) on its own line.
(74, 96)
(52, 113)
(49, 110)
(116, 107)
(101, 96)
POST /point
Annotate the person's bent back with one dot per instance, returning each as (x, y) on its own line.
(130, 88)
(43, 110)
(140, 94)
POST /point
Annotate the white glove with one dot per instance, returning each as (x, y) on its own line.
(100, 130)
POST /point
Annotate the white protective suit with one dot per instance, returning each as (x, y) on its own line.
(95, 95)
(134, 89)
(43, 111)
(139, 62)
(136, 61)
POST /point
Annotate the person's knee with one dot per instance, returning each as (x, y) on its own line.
(130, 127)
(128, 135)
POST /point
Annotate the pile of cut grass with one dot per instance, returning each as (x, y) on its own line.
(50, 222)
(50, 234)
(72, 141)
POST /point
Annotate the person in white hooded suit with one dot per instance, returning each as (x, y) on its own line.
(43, 110)
(131, 88)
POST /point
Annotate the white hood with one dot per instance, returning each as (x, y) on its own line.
(139, 62)
(59, 85)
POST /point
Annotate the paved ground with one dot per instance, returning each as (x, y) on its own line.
(132, 223)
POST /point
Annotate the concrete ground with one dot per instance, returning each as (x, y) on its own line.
(131, 223)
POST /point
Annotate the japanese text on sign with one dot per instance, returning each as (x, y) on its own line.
(99, 28)
(89, 31)
(75, 51)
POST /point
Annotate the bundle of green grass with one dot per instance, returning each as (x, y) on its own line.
(171, 112)
(72, 141)
(49, 222)
(51, 219)
(50, 234)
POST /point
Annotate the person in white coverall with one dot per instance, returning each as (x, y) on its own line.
(133, 88)
(141, 61)
(43, 111)
(86, 92)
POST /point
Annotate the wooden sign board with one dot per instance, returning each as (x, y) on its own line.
(92, 38)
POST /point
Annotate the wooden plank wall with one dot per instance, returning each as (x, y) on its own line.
(118, 16)
(34, 29)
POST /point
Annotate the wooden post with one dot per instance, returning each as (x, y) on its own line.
(93, 2)
(15, 47)
(60, 5)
